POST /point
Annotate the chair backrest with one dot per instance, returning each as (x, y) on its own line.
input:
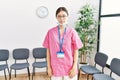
(4, 55)
(21, 53)
(115, 66)
(39, 52)
(101, 59)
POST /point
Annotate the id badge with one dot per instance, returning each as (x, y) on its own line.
(60, 54)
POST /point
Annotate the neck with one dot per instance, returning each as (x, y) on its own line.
(61, 27)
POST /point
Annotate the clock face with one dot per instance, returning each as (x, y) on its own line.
(42, 12)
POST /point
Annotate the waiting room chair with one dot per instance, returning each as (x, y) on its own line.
(39, 53)
(20, 54)
(4, 55)
(100, 59)
(115, 68)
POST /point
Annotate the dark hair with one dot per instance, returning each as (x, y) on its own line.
(61, 9)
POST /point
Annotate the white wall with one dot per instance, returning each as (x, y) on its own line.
(20, 27)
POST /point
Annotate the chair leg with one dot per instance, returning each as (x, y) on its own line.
(5, 75)
(92, 77)
(8, 71)
(33, 73)
(15, 73)
(80, 75)
(28, 72)
(10, 74)
(87, 76)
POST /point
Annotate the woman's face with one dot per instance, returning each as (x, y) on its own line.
(62, 17)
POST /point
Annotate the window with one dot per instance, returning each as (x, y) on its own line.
(109, 29)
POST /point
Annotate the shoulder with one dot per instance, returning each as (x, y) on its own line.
(71, 29)
(52, 29)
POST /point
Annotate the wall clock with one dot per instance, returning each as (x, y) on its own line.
(42, 12)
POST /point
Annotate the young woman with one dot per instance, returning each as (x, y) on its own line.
(62, 43)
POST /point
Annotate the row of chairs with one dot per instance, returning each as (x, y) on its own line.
(22, 54)
(101, 59)
(39, 53)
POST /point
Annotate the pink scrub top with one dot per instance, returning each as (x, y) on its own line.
(62, 66)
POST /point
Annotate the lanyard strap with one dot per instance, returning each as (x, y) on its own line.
(61, 41)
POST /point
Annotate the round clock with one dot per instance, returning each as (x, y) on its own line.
(42, 12)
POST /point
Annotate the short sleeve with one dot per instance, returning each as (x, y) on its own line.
(46, 41)
(76, 41)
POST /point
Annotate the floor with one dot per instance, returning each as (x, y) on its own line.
(38, 76)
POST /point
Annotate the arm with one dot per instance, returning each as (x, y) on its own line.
(75, 62)
(49, 63)
(75, 59)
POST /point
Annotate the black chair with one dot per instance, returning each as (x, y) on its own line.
(39, 53)
(4, 55)
(100, 59)
(20, 54)
(115, 68)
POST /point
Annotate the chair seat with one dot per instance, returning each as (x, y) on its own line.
(4, 66)
(18, 66)
(90, 69)
(102, 77)
(40, 64)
